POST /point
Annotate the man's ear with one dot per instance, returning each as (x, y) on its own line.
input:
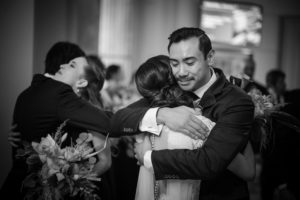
(81, 83)
(210, 57)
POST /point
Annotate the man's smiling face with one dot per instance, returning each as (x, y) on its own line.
(189, 66)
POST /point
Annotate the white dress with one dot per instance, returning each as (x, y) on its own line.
(170, 189)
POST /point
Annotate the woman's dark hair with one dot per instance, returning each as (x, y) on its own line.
(95, 77)
(96, 60)
(155, 82)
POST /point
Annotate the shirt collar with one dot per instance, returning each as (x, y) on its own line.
(48, 75)
(200, 91)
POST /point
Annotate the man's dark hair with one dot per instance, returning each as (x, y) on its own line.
(61, 53)
(111, 71)
(273, 76)
(187, 33)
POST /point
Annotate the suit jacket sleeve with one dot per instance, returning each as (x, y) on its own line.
(126, 121)
(80, 113)
(227, 138)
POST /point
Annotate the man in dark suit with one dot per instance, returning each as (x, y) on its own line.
(190, 55)
(60, 53)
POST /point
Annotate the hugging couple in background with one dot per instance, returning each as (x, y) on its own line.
(191, 126)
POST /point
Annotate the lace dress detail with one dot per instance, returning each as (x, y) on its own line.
(170, 189)
(176, 189)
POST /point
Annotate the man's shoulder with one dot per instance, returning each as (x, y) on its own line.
(42, 87)
(52, 86)
(23, 95)
(56, 84)
(234, 94)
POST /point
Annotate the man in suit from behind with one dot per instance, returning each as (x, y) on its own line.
(47, 102)
(190, 54)
(60, 53)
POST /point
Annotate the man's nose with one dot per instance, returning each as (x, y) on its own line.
(62, 66)
(182, 71)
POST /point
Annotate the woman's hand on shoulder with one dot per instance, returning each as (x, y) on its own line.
(14, 137)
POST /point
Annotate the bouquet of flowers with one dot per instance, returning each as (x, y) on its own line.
(266, 115)
(56, 172)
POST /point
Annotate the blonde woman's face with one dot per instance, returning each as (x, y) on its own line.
(72, 72)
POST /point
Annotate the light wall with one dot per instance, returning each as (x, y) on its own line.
(50, 26)
(75, 21)
(149, 23)
(16, 61)
(132, 31)
(267, 54)
(157, 19)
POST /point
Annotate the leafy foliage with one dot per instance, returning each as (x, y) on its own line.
(266, 115)
(55, 172)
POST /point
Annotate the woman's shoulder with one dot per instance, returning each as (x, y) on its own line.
(175, 140)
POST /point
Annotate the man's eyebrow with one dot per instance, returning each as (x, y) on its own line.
(189, 58)
(174, 60)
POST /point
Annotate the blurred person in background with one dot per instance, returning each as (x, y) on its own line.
(276, 85)
(107, 185)
(115, 96)
(280, 172)
(124, 170)
(113, 87)
(116, 93)
(249, 66)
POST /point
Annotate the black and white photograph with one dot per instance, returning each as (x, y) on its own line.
(150, 99)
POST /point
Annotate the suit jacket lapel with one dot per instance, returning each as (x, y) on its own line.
(209, 97)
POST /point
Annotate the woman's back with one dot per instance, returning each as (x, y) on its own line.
(175, 188)
(172, 188)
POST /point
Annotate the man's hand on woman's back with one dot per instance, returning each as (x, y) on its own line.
(183, 119)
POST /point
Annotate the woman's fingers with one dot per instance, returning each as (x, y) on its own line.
(13, 141)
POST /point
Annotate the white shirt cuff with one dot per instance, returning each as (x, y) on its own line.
(149, 123)
(147, 160)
